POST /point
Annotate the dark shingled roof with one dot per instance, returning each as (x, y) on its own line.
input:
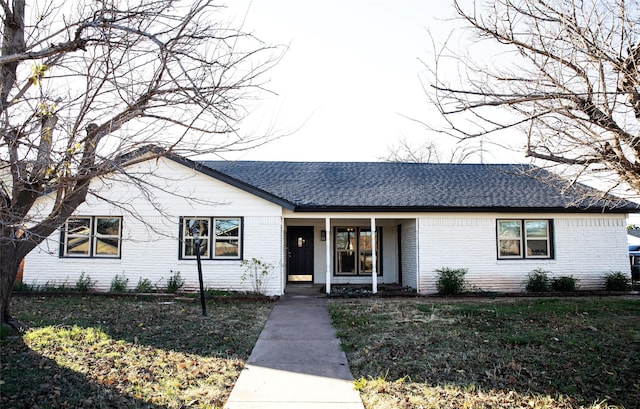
(394, 186)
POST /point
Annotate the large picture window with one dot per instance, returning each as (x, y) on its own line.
(91, 236)
(528, 238)
(354, 251)
(220, 237)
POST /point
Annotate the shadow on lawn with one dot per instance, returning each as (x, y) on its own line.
(30, 380)
(135, 353)
(229, 331)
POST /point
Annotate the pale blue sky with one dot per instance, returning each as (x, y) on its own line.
(349, 79)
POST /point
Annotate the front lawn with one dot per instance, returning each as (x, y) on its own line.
(99, 352)
(526, 353)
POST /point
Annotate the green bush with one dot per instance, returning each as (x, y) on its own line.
(451, 281)
(617, 281)
(119, 284)
(564, 284)
(175, 282)
(144, 285)
(22, 286)
(84, 283)
(538, 281)
(54, 286)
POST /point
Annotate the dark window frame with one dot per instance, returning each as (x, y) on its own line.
(93, 238)
(523, 239)
(211, 238)
(357, 231)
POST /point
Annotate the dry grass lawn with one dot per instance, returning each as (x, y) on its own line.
(97, 352)
(524, 353)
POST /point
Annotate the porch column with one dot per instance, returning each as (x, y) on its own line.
(327, 227)
(374, 272)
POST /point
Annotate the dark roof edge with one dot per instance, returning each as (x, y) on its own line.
(199, 167)
(436, 209)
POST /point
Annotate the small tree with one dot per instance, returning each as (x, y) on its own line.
(259, 273)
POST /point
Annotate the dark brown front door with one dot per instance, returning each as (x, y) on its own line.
(300, 256)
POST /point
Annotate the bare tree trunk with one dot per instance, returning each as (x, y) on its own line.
(8, 272)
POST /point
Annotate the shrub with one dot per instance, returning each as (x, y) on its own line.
(84, 283)
(175, 282)
(119, 284)
(144, 285)
(22, 286)
(617, 281)
(259, 273)
(564, 284)
(451, 281)
(55, 286)
(537, 281)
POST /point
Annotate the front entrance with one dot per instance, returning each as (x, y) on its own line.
(300, 254)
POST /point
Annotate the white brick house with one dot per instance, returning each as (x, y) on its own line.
(313, 222)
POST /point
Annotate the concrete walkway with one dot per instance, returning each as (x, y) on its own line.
(297, 361)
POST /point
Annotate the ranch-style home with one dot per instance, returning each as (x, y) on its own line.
(335, 223)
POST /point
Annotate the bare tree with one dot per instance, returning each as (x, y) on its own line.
(428, 152)
(565, 75)
(85, 87)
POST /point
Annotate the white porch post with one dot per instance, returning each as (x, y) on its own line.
(327, 227)
(374, 272)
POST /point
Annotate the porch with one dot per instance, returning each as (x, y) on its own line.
(340, 250)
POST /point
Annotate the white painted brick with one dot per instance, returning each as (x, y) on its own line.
(409, 240)
(154, 254)
(587, 246)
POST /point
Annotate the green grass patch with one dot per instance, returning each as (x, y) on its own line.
(543, 353)
(121, 352)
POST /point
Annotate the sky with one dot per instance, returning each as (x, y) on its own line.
(349, 86)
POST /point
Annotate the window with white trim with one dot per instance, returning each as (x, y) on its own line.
(220, 237)
(91, 236)
(524, 238)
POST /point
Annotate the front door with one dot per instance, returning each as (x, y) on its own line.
(300, 256)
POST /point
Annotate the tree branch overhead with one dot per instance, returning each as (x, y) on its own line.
(86, 83)
(565, 76)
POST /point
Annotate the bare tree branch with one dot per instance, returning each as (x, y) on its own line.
(85, 84)
(565, 76)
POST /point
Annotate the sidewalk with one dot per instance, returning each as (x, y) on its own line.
(297, 361)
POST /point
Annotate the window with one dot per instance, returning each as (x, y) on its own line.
(91, 236)
(189, 247)
(220, 237)
(524, 239)
(354, 252)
